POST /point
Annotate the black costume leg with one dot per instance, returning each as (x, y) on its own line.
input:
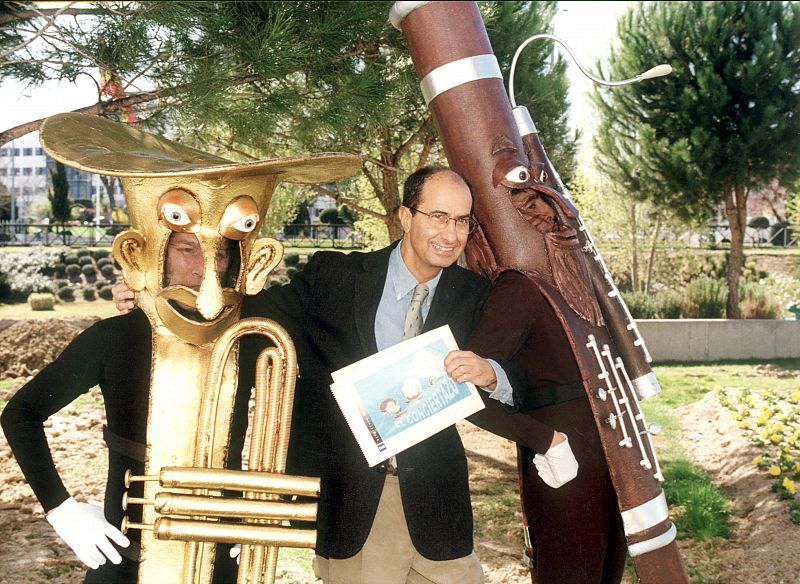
(577, 530)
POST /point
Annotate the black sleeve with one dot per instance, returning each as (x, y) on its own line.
(75, 371)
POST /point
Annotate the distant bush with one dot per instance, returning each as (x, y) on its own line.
(85, 261)
(757, 302)
(83, 252)
(90, 273)
(105, 293)
(60, 283)
(109, 273)
(41, 301)
(60, 269)
(100, 254)
(669, 304)
(67, 294)
(291, 259)
(704, 297)
(73, 272)
(89, 293)
(70, 259)
(104, 262)
(641, 305)
(24, 273)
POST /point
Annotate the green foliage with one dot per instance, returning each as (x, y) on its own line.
(700, 509)
(67, 294)
(347, 216)
(721, 125)
(794, 512)
(101, 254)
(104, 261)
(257, 79)
(73, 272)
(83, 252)
(704, 297)
(89, 293)
(85, 260)
(329, 216)
(105, 293)
(641, 305)
(757, 302)
(669, 304)
(59, 193)
(41, 301)
(70, 259)
(291, 258)
(109, 272)
(758, 223)
(60, 269)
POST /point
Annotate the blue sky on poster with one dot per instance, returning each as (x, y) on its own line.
(588, 27)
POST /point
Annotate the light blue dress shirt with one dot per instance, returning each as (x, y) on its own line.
(395, 300)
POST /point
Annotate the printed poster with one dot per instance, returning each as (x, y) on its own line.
(400, 396)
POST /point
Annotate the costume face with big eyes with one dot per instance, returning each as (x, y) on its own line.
(194, 253)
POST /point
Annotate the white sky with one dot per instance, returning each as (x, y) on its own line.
(588, 27)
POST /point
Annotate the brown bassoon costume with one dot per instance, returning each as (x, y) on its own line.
(528, 225)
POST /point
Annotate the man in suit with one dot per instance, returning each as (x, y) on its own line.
(411, 520)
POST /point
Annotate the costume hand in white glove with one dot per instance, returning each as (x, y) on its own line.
(84, 528)
(557, 466)
(235, 551)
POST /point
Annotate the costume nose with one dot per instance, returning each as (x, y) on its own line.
(209, 298)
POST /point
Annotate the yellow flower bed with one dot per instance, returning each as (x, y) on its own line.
(772, 423)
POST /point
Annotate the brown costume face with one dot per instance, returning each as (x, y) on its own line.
(545, 245)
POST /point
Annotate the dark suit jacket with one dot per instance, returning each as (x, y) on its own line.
(329, 310)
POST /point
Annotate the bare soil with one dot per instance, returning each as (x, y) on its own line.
(764, 547)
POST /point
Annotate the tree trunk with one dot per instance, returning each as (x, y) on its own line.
(736, 212)
(108, 183)
(652, 259)
(634, 248)
(391, 194)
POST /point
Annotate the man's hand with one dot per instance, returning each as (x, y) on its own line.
(124, 299)
(557, 466)
(84, 528)
(467, 366)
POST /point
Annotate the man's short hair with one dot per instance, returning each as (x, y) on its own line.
(412, 189)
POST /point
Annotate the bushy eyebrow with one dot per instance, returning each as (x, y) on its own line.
(448, 214)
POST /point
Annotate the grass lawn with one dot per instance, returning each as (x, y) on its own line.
(77, 309)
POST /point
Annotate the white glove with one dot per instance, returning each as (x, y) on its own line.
(557, 466)
(84, 528)
(236, 549)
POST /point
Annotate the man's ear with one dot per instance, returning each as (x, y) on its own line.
(129, 252)
(405, 215)
(266, 254)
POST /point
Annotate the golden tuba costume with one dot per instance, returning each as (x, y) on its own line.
(170, 188)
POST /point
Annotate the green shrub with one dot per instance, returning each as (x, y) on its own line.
(83, 252)
(73, 272)
(641, 305)
(291, 259)
(104, 262)
(67, 294)
(669, 304)
(60, 269)
(757, 302)
(60, 283)
(90, 273)
(100, 254)
(704, 297)
(41, 301)
(329, 216)
(85, 261)
(290, 272)
(109, 273)
(70, 259)
(89, 293)
(105, 293)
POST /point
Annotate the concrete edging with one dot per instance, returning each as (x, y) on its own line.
(717, 339)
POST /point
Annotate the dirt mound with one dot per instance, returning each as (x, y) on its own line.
(29, 345)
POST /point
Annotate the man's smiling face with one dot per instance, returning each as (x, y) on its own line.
(427, 248)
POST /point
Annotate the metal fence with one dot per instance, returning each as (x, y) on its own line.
(11, 234)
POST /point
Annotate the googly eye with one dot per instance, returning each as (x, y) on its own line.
(174, 214)
(519, 174)
(247, 223)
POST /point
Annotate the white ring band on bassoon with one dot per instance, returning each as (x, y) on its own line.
(666, 538)
(402, 9)
(458, 73)
(645, 515)
(524, 121)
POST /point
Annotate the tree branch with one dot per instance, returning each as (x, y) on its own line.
(40, 32)
(340, 198)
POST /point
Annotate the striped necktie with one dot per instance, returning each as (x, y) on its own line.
(413, 323)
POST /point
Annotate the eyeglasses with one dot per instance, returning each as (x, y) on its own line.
(439, 220)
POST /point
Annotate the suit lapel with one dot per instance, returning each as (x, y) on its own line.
(443, 301)
(367, 293)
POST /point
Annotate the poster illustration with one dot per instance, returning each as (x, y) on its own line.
(402, 395)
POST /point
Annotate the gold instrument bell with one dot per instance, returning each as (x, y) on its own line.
(175, 193)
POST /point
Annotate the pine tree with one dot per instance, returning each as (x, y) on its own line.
(723, 124)
(59, 194)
